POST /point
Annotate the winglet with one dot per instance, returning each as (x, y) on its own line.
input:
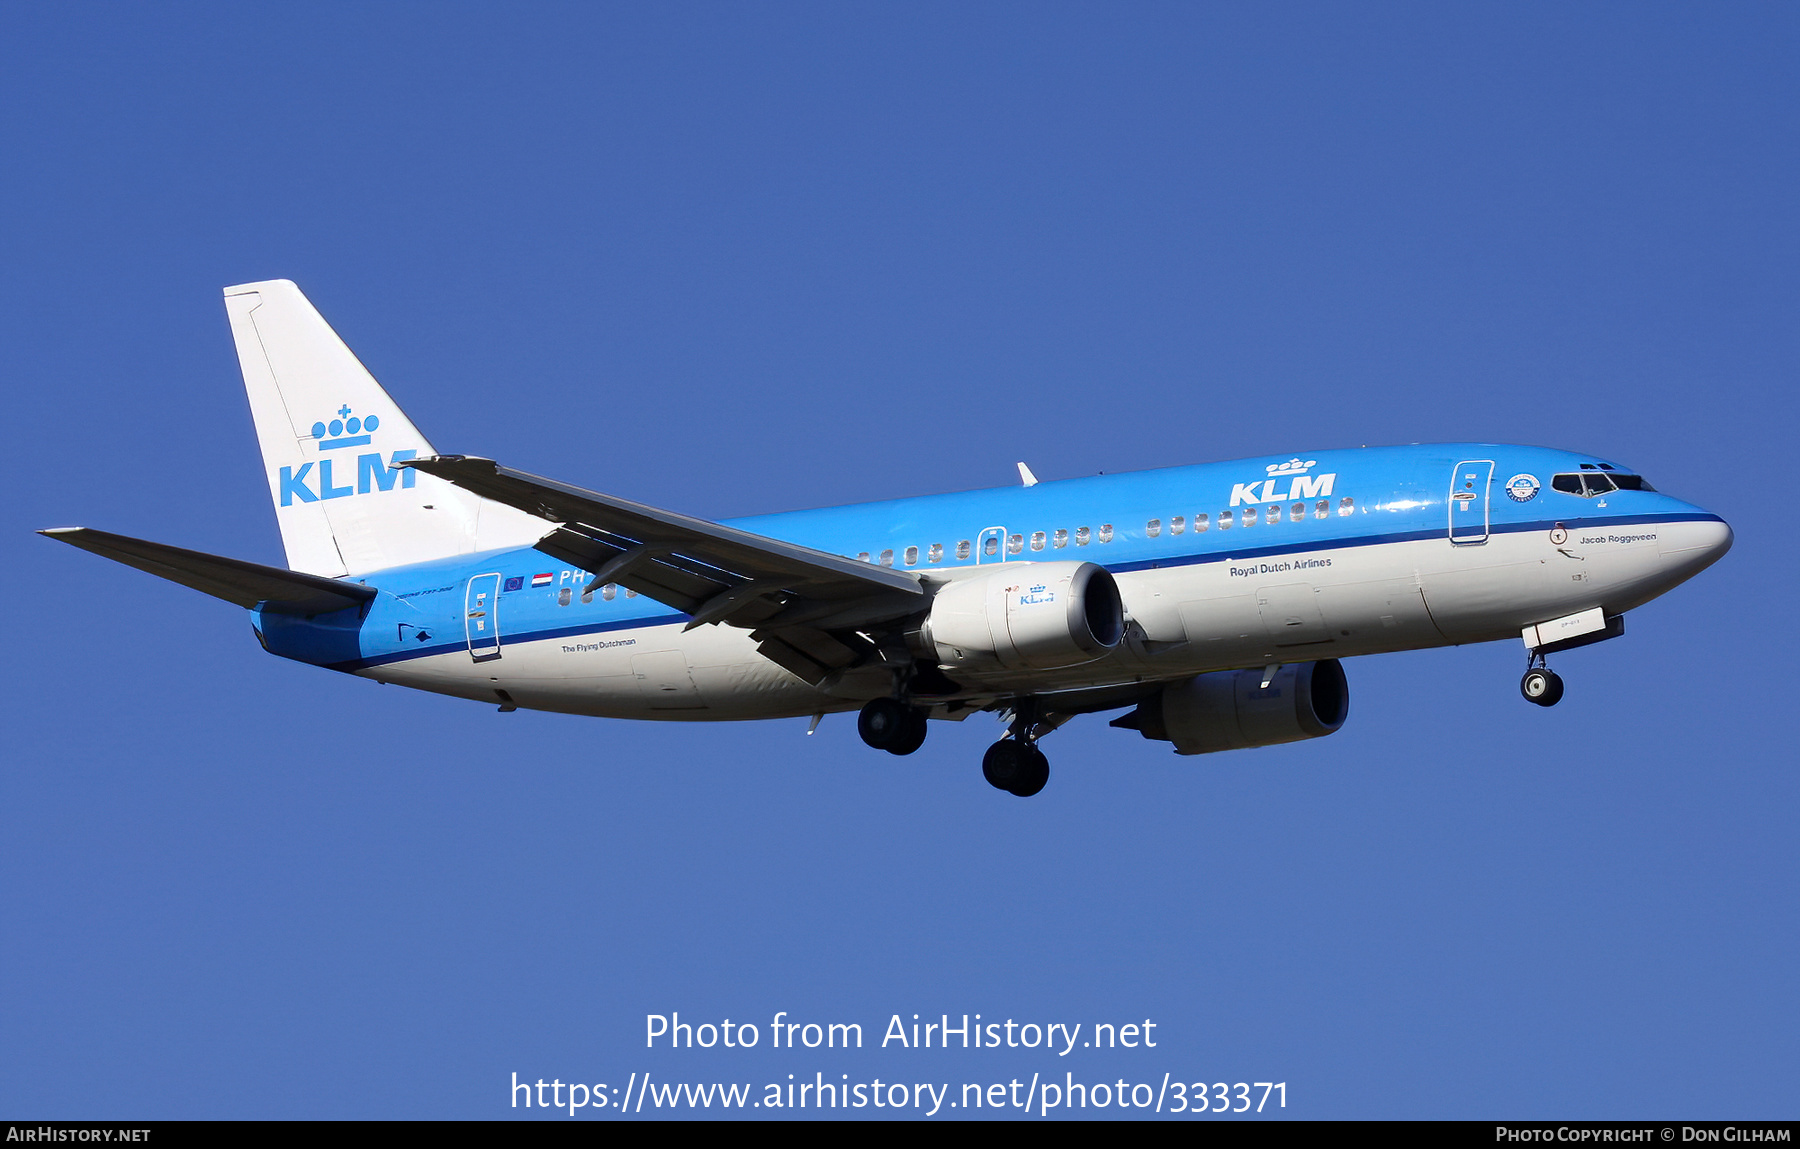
(1026, 478)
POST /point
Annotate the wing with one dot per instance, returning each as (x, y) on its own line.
(804, 607)
(236, 581)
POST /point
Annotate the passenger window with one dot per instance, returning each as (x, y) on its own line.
(1224, 520)
(1177, 525)
(936, 554)
(1248, 517)
(1296, 512)
(862, 556)
(1060, 539)
(1081, 536)
(992, 545)
(587, 594)
(629, 593)
(1200, 524)
(608, 591)
(1106, 532)
(887, 558)
(962, 549)
(1346, 505)
(564, 595)
(1037, 540)
(1153, 528)
(1015, 544)
(912, 556)
(1322, 509)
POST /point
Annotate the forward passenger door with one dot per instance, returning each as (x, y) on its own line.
(1468, 500)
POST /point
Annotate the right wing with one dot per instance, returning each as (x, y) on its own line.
(804, 607)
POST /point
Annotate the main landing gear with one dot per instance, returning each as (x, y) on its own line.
(891, 725)
(1541, 684)
(1014, 763)
(1017, 767)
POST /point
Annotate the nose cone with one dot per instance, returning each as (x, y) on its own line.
(1690, 547)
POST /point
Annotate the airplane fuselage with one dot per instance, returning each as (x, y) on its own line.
(1224, 565)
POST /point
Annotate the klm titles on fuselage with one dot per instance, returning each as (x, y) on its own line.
(372, 474)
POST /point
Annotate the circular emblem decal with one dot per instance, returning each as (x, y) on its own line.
(1522, 488)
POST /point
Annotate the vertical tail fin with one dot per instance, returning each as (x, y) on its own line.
(330, 437)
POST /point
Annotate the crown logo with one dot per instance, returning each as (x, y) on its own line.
(1294, 466)
(344, 431)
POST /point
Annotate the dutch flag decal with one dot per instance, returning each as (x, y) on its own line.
(540, 580)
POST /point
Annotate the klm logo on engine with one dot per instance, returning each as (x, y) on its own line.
(1286, 481)
(1037, 596)
(315, 481)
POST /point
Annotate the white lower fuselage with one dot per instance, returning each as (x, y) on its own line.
(1185, 619)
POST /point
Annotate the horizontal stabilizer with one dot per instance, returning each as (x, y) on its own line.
(246, 584)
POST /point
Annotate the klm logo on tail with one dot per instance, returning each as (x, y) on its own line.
(372, 474)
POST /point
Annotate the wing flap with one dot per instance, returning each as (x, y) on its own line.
(243, 583)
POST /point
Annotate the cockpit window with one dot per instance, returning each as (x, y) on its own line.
(1592, 484)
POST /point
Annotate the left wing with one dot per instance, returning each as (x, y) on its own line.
(804, 607)
(249, 585)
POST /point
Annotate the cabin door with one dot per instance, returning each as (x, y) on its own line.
(481, 616)
(1468, 500)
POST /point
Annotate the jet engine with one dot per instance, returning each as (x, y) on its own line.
(1026, 616)
(1233, 710)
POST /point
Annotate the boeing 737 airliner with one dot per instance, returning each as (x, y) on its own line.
(1214, 601)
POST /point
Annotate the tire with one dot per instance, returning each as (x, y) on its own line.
(1034, 775)
(912, 733)
(1543, 687)
(1003, 764)
(882, 723)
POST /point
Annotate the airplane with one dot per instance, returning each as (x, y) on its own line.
(1212, 603)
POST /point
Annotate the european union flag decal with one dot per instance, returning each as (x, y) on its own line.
(514, 583)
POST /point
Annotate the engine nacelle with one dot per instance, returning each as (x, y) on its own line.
(1233, 710)
(1027, 616)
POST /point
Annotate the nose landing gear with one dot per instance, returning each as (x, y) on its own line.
(1541, 684)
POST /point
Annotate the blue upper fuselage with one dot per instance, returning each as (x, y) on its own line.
(1211, 512)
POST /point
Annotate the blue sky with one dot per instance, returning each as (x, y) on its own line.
(741, 259)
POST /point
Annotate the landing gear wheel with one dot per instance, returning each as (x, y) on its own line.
(1035, 774)
(912, 733)
(1544, 687)
(1002, 764)
(1015, 767)
(883, 723)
